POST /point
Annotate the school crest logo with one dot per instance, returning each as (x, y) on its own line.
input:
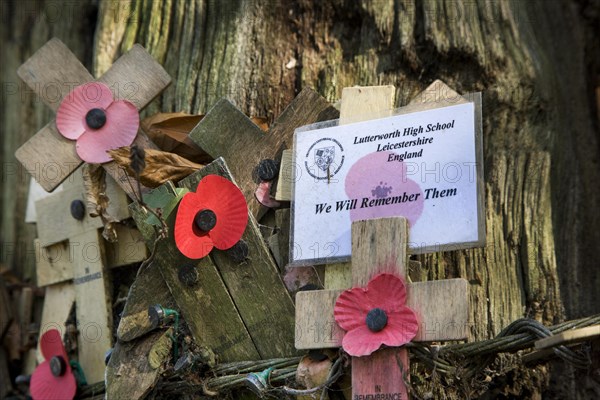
(324, 159)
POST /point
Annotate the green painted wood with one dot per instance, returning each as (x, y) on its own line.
(206, 307)
(149, 288)
(255, 285)
(226, 132)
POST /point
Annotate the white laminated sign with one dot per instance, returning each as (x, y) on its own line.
(425, 166)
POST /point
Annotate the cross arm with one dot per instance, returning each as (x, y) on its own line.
(52, 72)
(441, 307)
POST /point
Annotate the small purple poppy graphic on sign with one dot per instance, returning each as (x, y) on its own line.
(392, 194)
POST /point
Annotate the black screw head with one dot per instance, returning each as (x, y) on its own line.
(95, 118)
(268, 170)
(58, 366)
(188, 275)
(156, 314)
(77, 210)
(239, 252)
(376, 320)
(205, 220)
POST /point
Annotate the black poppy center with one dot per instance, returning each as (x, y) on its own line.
(58, 366)
(376, 320)
(95, 118)
(205, 220)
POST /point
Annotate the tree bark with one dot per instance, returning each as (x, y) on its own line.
(24, 27)
(531, 59)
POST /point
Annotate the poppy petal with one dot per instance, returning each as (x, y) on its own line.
(263, 195)
(387, 291)
(351, 309)
(188, 242)
(46, 386)
(227, 201)
(361, 341)
(70, 116)
(51, 344)
(120, 129)
(402, 327)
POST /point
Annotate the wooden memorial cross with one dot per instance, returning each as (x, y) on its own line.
(226, 132)
(378, 246)
(62, 216)
(52, 73)
(236, 305)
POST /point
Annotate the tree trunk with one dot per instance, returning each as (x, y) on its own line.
(24, 27)
(536, 63)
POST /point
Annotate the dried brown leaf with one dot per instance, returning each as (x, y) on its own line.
(261, 122)
(161, 166)
(94, 183)
(169, 131)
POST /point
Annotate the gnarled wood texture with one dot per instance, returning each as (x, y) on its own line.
(533, 61)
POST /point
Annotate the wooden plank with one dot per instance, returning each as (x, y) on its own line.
(58, 302)
(136, 77)
(49, 157)
(226, 132)
(282, 221)
(436, 95)
(286, 176)
(379, 245)
(307, 108)
(148, 289)
(316, 327)
(256, 287)
(362, 103)
(206, 307)
(383, 373)
(53, 72)
(567, 337)
(129, 248)
(54, 263)
(55, 222)
(94, 305)
(358, 104)
(128, 373)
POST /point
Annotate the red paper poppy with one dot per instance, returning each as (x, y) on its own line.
(226, 210)
(53, 379)
(375, 316)
(90, 116)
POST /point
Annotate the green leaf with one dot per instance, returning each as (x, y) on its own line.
(165, 198)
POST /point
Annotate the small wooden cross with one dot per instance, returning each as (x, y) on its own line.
(226, 132)
(84, 261)
(52, 73)
(378, 246)
(239, 308)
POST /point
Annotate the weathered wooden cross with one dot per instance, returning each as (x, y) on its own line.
(378, 246)
(83, 259)
(52, 73)
(254, 317)
(226, 132)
